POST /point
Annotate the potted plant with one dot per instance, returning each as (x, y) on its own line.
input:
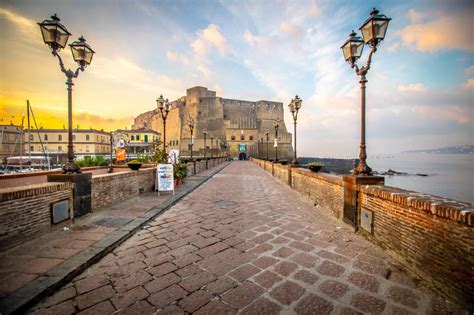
(134, 165)
(315, 166)
(180, 171)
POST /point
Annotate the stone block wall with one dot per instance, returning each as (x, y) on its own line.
(281, 172)
(432, 236)
(26, 211)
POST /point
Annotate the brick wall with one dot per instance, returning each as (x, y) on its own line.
(325, 191)
(26, 211)
(108, 189)
(432, 236)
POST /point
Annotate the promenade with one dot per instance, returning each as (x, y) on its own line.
(243, 242)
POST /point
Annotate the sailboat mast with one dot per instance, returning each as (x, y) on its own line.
(29, 127)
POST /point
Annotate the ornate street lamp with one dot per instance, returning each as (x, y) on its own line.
(55, 35)
(295, 106)
(164, 106)
(191, 129)
(276, 126)
(373, 30)
(267, 133)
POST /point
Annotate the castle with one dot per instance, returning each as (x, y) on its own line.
(221, 125)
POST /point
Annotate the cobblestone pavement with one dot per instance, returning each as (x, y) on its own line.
(244, 242)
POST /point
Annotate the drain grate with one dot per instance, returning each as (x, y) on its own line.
(112, 222)
(225, 203)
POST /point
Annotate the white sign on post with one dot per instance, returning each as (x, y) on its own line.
(173, 156)
(164, 178)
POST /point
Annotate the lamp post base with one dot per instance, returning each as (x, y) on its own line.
(71, 168)
(363, 169)
(295, 162)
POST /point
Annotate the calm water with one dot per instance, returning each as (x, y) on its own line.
(450, 175)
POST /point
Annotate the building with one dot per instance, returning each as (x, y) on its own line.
(139, 141)
(11, 138)
(53, 143)
(221, 125)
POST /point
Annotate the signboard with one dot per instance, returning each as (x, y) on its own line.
(173, 156)
(275, 145)
(242, 147)
(120, 153)
(164, 178)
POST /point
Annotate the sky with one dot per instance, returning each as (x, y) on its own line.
(419, 91)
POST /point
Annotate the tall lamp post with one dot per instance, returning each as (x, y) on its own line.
(55, 35)
(373, 30)
(164, 106)
(267, 133)
(277, 125)
(191, 129)
(295, 106)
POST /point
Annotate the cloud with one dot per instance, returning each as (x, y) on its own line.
(415, 16)
(469, 70)
(442, 33)
(314, 9)
(394, 47)
(414, 87)
(250, 38)
(208, 38)
(468, 85)
(290, 29)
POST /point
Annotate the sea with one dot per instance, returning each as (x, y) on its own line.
(449, 175)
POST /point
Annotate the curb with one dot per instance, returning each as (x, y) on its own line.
(27, 296)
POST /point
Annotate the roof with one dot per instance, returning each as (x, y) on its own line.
(138, 131)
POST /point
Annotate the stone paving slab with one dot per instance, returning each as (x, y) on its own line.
(244, 243)
(42, 266)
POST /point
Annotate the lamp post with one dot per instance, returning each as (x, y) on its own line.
(205, 136)
(212, 146)
(110, 169)
(267, 133)
(295, 106)
(277, 125)
(55, 35)
(164, 106)
(191, 129)
(373, 30)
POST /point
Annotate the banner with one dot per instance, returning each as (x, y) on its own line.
(164, 177)
(120, 153)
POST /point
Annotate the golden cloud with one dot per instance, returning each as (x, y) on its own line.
(445, 32)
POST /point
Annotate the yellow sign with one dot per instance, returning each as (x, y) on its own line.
(121, 156)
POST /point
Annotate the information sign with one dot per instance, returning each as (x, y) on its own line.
(242, 147)
(120, 153)
(164, 178)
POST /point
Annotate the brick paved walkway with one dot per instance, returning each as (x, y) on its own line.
(244, 242)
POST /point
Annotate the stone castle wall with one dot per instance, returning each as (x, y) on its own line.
(221, 118)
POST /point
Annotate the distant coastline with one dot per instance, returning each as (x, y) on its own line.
(457, 149)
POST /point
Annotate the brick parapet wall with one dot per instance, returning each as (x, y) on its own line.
(432, 236)
(25, 212)
(434, 244)
(461, 212)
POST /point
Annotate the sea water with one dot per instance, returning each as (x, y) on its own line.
(449, 175)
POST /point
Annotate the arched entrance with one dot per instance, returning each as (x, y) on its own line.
(242, 156)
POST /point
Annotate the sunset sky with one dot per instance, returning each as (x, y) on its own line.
(419, 91)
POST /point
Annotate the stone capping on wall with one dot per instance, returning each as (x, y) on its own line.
(32, 190)
(330, 178)
(458, 211)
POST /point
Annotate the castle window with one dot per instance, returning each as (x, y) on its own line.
(133, 138)
(242, 137)
(250, 138)
(60, 137)
(137, 137)
(46, 137)
(232, 138)
(87, 137)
